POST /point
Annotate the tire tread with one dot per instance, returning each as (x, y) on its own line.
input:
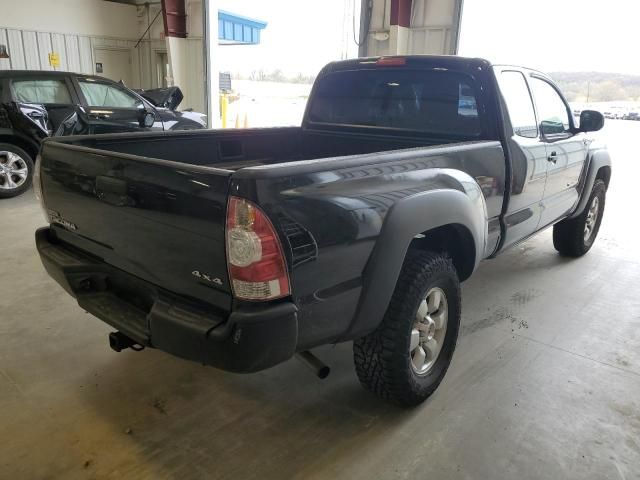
(568, 235)
(380, 359)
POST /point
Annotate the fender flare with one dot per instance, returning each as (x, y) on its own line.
(598, 159)
(409, 217)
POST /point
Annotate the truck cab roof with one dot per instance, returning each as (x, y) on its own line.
(416, 61)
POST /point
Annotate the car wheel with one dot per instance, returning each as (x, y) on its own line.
(406, 357)
(16, 170)
(574, 237)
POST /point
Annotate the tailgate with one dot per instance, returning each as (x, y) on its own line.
(159, 220)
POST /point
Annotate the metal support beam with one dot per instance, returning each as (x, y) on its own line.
(399, 27)
(455, 28)
(211, 62)
(401, 13)
(365, 23)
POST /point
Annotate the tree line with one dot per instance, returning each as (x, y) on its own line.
(276, 75)
(598, 87)
(577, 86)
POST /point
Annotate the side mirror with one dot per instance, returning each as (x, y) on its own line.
(591, 121)
(147, 119)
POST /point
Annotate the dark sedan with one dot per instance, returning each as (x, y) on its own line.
(38, 104)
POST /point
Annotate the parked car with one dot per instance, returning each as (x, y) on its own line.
(37, 104)
(632, 115)
(615, 113)
(240, 249)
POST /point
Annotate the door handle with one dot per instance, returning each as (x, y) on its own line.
(553, 157)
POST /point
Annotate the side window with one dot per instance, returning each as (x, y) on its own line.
(100, 94)
(552, 111)
(516, 94)
(41, 91)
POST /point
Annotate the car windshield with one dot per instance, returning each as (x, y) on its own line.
(101, 94)
(440, 102)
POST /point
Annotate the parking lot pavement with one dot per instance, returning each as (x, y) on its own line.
(545, 382)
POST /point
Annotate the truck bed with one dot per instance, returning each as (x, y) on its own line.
(236, 149)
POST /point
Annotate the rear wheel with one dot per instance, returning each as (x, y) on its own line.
(406, 357)
(16, 170)
(574, 237)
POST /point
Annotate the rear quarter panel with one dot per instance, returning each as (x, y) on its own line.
(330, 213)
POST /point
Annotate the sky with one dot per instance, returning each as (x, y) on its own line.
(554, 35)
(301, 36)
(549, 35)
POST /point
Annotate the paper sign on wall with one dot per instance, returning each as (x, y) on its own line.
(54, 59)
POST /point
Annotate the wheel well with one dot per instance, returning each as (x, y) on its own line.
(23, 144)
(454, 239)
(604, 174)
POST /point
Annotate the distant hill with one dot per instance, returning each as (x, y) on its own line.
(600, 87)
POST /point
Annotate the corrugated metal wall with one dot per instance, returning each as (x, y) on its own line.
(143, 62)
(431, 26)
(29, 50)
(194, 90)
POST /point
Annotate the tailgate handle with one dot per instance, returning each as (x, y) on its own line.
(113, 191)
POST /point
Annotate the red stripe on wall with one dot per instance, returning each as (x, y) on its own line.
(401, 12)
(175, 18)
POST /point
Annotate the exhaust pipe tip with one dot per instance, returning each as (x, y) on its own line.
(321, 369)
(323, 372)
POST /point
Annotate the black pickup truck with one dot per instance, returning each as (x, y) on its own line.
(243, 248)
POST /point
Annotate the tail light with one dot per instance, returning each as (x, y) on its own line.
(257, 267)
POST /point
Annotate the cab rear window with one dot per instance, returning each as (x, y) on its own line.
(440, 102)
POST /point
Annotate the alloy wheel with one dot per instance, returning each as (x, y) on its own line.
(14, 171)
(429, 331)
(592, 218)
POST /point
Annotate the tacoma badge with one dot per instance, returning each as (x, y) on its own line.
(55, 217)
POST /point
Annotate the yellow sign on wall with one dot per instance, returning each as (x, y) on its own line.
(54, 59)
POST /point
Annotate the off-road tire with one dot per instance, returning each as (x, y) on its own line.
(382, 358)
(569, 234)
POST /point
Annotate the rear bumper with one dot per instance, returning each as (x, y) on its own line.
(251, 338)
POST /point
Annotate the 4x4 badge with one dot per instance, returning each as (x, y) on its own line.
(206, 278)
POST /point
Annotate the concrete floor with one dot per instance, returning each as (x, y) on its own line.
(545, 382)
